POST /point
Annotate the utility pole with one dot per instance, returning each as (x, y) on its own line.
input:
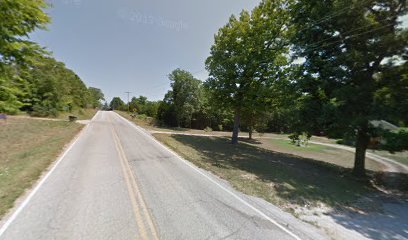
(128, 100)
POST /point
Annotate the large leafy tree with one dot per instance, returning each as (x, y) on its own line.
(117, 104)
(52, 88)
(248, 59)
(96, 96)
(143, 106)
(346, 45)
(18, 18)
(186, 95)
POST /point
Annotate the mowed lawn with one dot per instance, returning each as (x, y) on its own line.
(27, 148)
(278, 172)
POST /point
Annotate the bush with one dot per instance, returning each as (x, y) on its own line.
(300, 140)
(141, 116)
(208, 129)
(43, 111)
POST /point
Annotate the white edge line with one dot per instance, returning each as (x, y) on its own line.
(212, 180)
(42, 181)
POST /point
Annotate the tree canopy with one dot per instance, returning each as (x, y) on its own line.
(350, 75)
(30, 78)
(249, 61)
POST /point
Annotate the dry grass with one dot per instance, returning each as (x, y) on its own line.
(277, 174)
(27, 147)
(317, 152)
(82, 114)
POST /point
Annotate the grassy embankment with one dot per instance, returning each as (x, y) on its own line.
(82, 114)
(27, 148)
(274, 169)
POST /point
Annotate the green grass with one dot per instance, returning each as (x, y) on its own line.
(309, 148)
(141, 120)
(82, 114)
(280, 178)
(27, 148)
(401, 157)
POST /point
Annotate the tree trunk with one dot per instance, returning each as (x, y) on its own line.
(250, 131)
(235, 131)
(362, 141)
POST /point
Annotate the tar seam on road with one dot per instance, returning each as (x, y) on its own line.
(42, 181)
(133, 190)
(212, 180)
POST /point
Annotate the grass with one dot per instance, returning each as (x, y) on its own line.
(141, 120)
(27, 148)
(82, 114)
(289, 146)
(401, 157)
(318, 152)
(284, 179)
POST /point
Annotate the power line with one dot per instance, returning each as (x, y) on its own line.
(348, 32)
(348, 37)
(128, 100)
(330, 16)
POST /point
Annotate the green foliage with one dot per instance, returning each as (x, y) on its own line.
(395, 141)
(117, 104)
(300, 139)
(141, 105)
(53, 88)
(10, 91)
(18, 18)
(350, 75)
(95, 97)
(30, 79)
(249, 63)
(186, 92)
(208, 129)
(183, 102)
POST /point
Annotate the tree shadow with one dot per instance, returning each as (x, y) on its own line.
(306, 181)
(389, 223)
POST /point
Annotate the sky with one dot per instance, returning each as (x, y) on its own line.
(132, 45)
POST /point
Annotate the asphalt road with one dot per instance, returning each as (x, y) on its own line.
(117, 182)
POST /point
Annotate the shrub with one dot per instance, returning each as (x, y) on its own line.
(208, 129)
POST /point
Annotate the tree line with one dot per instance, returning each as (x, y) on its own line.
(31, 80)
(302, 67)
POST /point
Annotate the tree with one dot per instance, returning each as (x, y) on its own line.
(346, 45)
(117, 104)
(96, 96)
(143, 106)
(51, 87)
(18, 18)
(166, 112)
(248, 59)
(185, 95)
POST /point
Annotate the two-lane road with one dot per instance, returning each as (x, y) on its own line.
(117, 182)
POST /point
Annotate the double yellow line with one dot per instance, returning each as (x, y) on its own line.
(146, 227)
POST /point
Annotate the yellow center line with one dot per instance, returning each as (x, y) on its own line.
(131, 193)
(134, 192)
(141, 199)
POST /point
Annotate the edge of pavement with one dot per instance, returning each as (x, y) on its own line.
(24, 199)
(288, 223)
